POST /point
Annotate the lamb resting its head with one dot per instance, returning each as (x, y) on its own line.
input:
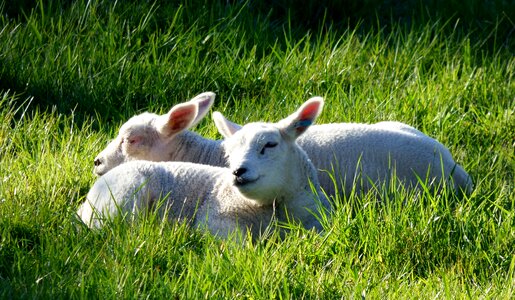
(268, 165)
(149, 136)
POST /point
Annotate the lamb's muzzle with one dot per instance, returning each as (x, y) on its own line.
(97, 162)
(239, 180)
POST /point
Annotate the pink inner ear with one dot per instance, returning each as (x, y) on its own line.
(310, 111)
(306, 116)
(181, 118)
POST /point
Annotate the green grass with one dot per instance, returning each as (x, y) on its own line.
(71, 73)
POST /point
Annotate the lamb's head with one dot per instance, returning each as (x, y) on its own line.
(266, 163)
(148, 136)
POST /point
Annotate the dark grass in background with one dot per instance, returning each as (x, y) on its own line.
(133, 60)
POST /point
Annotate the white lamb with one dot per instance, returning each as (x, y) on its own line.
(269, 176)
(153, 137)
(358, 155)
(365, 156)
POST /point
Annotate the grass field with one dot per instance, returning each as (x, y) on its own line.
(71, 72)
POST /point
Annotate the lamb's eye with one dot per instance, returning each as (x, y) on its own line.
(268, 145)
(132, 140)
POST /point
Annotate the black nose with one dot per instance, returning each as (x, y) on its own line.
(238, 172)
(97, 162)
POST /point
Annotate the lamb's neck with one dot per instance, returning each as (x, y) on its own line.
(192, 147)
(305, 208)
(304, 174)
(301, 206)
(306, 201)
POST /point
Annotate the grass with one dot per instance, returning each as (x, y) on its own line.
(72, 72)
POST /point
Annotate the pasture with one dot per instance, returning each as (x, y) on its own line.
(71, 72)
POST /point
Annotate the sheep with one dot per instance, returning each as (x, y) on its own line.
(358, 156)
(269, 177)
(153, 137)
(362, 157)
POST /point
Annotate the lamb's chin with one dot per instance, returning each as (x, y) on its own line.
(99, 172)
(248, 189)
(255, 194)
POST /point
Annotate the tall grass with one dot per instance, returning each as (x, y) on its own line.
(72, 72)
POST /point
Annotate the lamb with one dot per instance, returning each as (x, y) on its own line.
(269, 177)
(358, 156)
(362, 157)
(153, 137)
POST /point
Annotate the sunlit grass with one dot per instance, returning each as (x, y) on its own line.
(70, 76)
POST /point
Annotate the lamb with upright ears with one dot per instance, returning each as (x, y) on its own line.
(362, 157)
(269, 177)
(153, 137)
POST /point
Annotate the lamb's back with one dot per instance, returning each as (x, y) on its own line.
(175, 188)
(184, 187)
(373, 151)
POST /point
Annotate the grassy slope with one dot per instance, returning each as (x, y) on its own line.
(91, 67)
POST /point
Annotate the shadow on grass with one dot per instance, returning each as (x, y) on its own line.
(263, 23)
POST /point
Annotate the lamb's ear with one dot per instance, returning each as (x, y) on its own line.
(224, 126)
(204, 102)
(298, 122)
(180, 117)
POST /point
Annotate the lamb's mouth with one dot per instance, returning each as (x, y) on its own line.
(240, 181)
(98, 173)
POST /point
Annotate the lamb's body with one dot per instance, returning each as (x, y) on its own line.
(358, 157)
(367, 155)
(198, 194)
